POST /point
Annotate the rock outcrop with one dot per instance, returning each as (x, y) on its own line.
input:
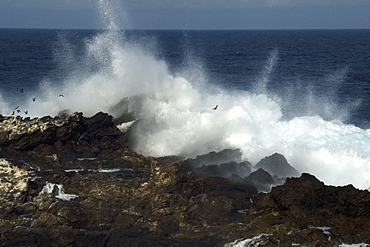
(277, 165)
(73, 181)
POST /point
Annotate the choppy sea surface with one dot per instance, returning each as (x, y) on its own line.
(301, 93)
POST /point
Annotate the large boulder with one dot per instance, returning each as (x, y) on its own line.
(261, 179)
(313, 211)
(277, 165)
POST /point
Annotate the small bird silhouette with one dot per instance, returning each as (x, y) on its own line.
(61, 95)
(25, 112)
(33, 98)
(16, 108)
(215, 107)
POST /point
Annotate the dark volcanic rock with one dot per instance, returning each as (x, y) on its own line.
(216, 158)
(223, 170)
(221, 164)
(78, 184)
(62, 142)
(276, 164)
(270, 171)
(261, 179)
(340, 213)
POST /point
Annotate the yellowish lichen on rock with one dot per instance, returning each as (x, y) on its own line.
(16, 126)
(13, 181)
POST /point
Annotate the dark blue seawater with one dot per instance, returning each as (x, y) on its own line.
(332, 65)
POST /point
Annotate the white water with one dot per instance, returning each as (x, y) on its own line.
(255, 241)
(49, 187)
(176, 116)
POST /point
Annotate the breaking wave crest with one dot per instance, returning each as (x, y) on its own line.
(174, 113)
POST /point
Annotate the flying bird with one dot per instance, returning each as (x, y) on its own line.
(33, 98)
(16, 108)
(215, 107)
(25, 112)
(61, 95)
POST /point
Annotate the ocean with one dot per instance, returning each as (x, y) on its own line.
(302, 93)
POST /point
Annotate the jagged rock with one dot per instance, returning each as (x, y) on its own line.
(330, 214)
(224, 170)
(216, 158)
(211, 165)
(276, 164)
(61, 142)
(308, 197)
(261, 179)
(78, 184)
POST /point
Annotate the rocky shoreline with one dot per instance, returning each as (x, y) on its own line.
(73, 181)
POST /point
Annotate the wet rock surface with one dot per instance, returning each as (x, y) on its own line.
(73, 181)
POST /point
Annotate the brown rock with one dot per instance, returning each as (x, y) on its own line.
(125, 199)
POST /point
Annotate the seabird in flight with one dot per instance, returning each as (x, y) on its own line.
(61, 95)
(215, 107)
(33, 98)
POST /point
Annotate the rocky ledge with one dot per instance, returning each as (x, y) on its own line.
(73, 181)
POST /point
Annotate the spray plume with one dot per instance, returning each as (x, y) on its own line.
(174, 114)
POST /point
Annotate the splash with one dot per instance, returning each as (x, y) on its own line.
(174, 113)
(265, 77)
(304, 99)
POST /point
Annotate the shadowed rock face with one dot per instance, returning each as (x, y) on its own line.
(78, 184)
(60, 142)
(270, 171)
(276, 164)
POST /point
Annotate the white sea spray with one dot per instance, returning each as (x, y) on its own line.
(174, 111)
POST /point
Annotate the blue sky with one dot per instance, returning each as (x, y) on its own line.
(189, 14)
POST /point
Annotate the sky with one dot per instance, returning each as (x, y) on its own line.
(189, 14)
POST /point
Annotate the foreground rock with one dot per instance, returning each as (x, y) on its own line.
(74, 182)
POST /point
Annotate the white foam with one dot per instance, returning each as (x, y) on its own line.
(354, 245)
(81, 159)
(247, 242)
(49, 187)
(107, 170)
(125, 126)
(103, 170)
(74, 170)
